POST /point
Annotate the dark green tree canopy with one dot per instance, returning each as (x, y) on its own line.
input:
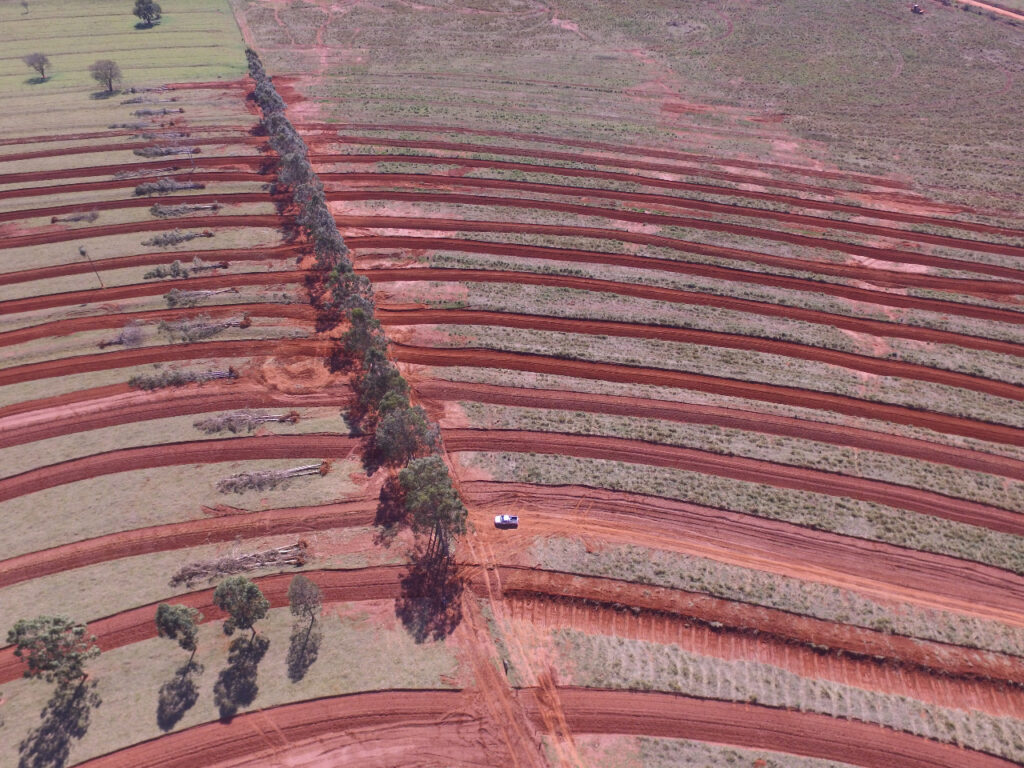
(55, 648)
(243, 601)
(432, 502)
(106, 72)
(178, 622)
(148, 11)
(402, 432)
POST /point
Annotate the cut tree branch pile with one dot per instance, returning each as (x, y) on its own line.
(268, 479)
(294, 554)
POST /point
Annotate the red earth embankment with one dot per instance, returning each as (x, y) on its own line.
(804, 398)
(421, 245)
(735, 468)
(693, 298)
(266, 447)
(866, 363)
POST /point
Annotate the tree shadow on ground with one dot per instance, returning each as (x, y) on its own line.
(104, 95)
(146, 24)
(430, 605)
(303, 648)
(391, 513)
(177, 696)
(65, 719)
(236, 685)
(36, 80)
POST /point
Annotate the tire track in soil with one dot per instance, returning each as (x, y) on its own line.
(432, 393)
(735, 468)
(424, 244)
(126, 358)
(97, 409)
(876, 253)
(849, 360)
(886, 572)
(99, 186)
(693, 298)
(326, 446)
(57, 328)
(155, 225)
(882, 278)
(88, 149)
(545, 612)
(803, 398)
(151, 288)
(227, 198)
(231, 255)
(388, 182)
(222, 161)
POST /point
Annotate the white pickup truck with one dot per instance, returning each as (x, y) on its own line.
(506, 521)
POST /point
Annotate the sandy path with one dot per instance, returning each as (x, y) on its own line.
(362, 243)
(887, 278)
(865, 363)
(804, 398)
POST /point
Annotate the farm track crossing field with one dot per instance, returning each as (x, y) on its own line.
(736, 334)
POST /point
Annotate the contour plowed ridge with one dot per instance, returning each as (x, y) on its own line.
(735, 468)
(804, 398)
(327, 446)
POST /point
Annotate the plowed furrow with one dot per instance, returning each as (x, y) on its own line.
(544, 612)
(98, 186)
(228, 162)
(735, 468)
(635, 407)
(885, 278)
(155, 225)
(872, 365)
(153, 288)
(326, 446)
(128, 357)
(885, 298)
(59, 328)
(414, 181)
(88, 149)
(143, 202)
(859, 325)
(54, 418)
(230, 255)
(660, 183)
(891, 255)
(487, 358)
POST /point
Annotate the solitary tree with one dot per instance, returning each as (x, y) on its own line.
(55, 648)
(106, 72)
(304, 599)
(244, 601)
(178, 622)
(433, 504)
(38, 62)
(148, 11)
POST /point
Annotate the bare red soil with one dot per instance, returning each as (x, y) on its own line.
(58, 328)
(85, 410)
(86, 149)
(434, 390)
(129, 183)
(736, 468)
(154, 225)
(586, 711)
(688, 157)
(804, 398)
(227, 198)
(416, 181)
(230, 255)
(151, 288)
(636, 290)
(892, 255)
(163, 538)
(885, 278)
(174, 352)
(884, 298)
(326, 446)
(872, 365)
(232, 163)
(652, 181)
